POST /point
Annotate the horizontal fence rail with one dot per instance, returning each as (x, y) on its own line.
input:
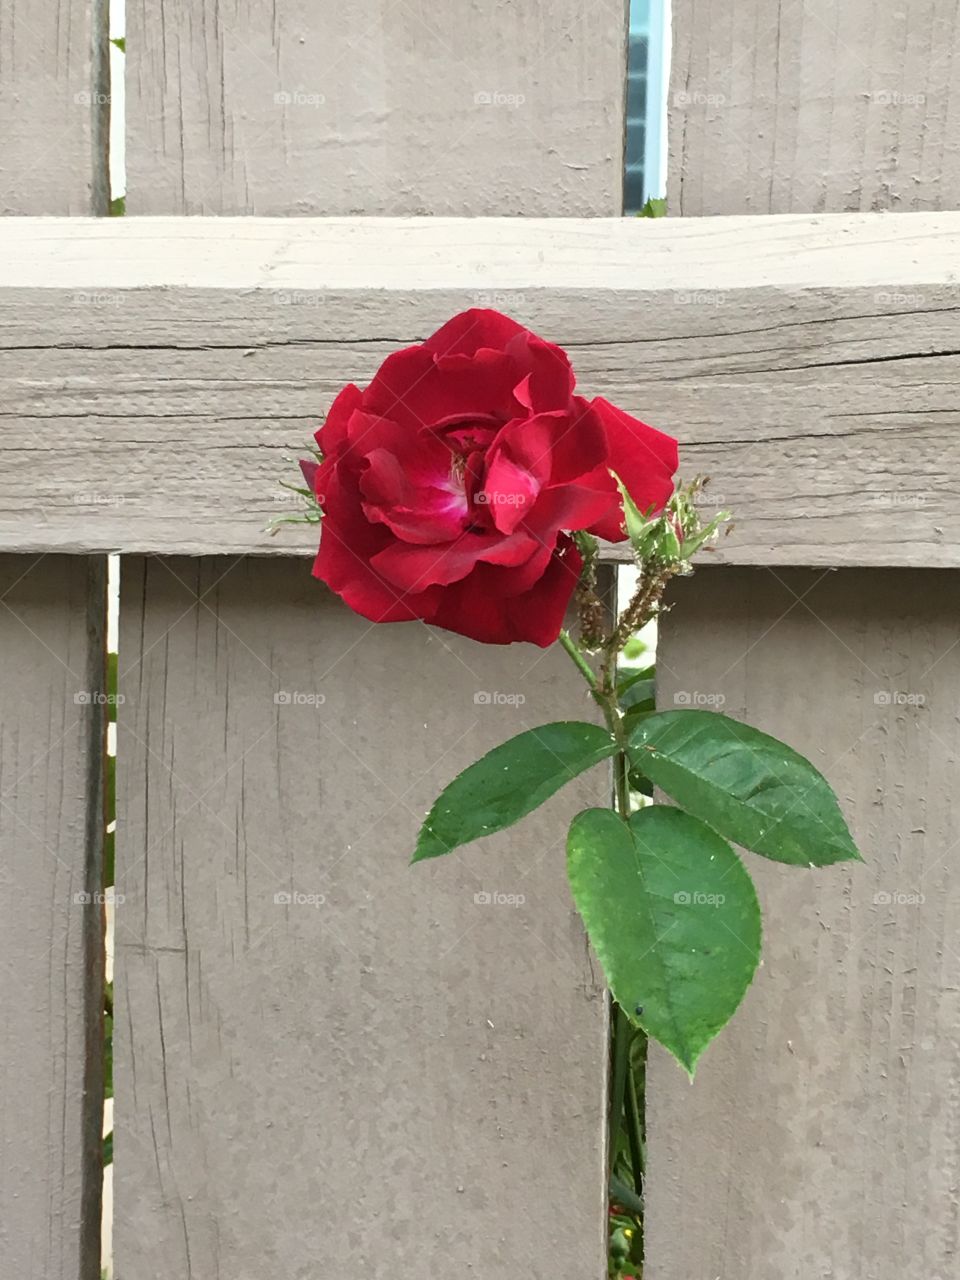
(158, 374)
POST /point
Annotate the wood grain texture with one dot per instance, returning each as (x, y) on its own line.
(54, 106)
(327, 1058)
(797, 365)
(51, 949)
(821, 1136)
(820, 1139)
(487, 256)
(313, 107)
(814, 106)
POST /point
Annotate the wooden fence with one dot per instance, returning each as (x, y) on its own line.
(328, 1063)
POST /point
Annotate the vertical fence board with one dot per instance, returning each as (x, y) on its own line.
(54, 107)
(314, 107)
(51, 968)
(821, 1135)
(820, 1138)
(329, 1062)
(402, 1081)
(814, 107)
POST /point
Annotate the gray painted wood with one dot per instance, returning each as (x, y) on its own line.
(821, 1135)
(54, 106)
(314, 107)
(328, 1061)
(402, 1081)
(812, 107)
(793, 358)
(51, 945)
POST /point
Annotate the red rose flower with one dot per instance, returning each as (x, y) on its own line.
(450, 485)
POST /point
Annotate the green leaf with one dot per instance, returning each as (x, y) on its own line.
(108, 1149)
(751, 788)
(109, 858)
(509, 782)
(118, 206)
(633, 715)
(639, 782)
(110, 789)
(108, 1056)
(640, 693)
(634, 521)
(622, 1194)
(635, 648)
(656, 207)
(673, 917)
(627, 677)
(120, 42)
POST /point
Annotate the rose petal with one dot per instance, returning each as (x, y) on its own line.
(573, 506)
(479, 608)
(348, 544)
(417, 389)
(333, 431)
(509, 491)
(412, 568)
(645, 460)
(527, 442)
(538, 615)
(467, 332)
(418, 511)
(578, 444)
(548, 379)
(309, 469)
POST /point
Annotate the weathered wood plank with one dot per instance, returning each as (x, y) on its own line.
(54, 106)
(795, 363)
(323, 1053)
(51, 947)
(811, 106)
(821, 1135)
(385, 1064)
(313, 107)
(490, 256)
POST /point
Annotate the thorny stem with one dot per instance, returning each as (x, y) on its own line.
(645, 605)
(579, 661)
